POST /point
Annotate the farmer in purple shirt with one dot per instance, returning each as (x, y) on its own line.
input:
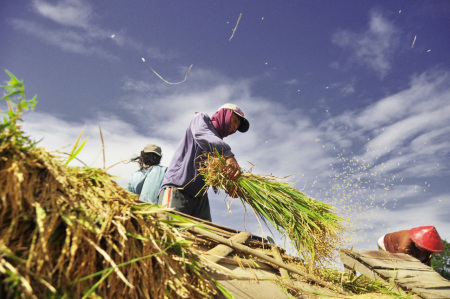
(181, 186)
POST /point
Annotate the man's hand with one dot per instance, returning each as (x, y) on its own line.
(232, 193)
(232, 168)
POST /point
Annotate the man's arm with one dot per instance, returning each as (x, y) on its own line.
(209, 140)
(206, 138)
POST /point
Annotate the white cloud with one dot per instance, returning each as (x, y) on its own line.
(284, 141)
(274, 130)
(372, 47)
(414, 122)
(67, 40)
(348, 89)
(279, 141)
(292, 82)
(407, 132)
(76, 31)
(387, 154)
(74, 13)
(425, 95)
(121, 141)
(344, 88)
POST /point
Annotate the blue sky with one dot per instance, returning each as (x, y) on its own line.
(350, 97)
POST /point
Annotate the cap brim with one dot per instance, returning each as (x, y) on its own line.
(154, 152)
(244, 126)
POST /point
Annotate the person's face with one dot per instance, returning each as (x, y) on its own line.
(235, 123)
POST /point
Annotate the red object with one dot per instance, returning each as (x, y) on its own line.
(427, 238)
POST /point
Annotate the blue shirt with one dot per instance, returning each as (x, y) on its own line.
(200, 137)
(146, 182)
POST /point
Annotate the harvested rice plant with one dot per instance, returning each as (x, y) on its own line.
(70, 232)
(312, 226)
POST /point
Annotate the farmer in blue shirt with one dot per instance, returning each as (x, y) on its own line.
(182, 183)
(147, 180)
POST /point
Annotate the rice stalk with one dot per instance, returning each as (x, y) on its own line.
(60, 226)
(359, 284)
(68, 227)
(311, 225)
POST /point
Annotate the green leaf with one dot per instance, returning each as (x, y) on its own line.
(75, 150)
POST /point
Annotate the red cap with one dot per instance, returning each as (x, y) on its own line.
(427, 237)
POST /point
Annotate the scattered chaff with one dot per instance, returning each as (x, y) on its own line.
(414, 41)
(159, 76)
(235, 28)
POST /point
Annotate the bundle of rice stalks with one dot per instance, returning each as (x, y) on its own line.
(69, 232)
(74, 232)
(311, 225)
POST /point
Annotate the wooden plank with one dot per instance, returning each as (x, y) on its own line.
(261, 255)
(217, 228)
(419, 279)
(249, 273)
(405, 271)
(432, 293)
(221, 250)
(267, 289)
(246, 263)
(421, 273)
(407, 274)
(223, 231)
(276, 254)
(418, 282)
(380, 255)
(236, 272)
(252, 289)
(350, 262)
(386, 260)
(231, 271)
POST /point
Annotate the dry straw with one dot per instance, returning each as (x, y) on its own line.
(73, 232)
(311, 225)
(70, 232)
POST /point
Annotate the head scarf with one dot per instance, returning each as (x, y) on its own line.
(221, 120)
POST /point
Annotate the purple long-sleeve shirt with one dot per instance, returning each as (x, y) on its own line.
(200, 137)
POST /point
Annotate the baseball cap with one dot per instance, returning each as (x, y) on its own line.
(152, 148)
(245, 125)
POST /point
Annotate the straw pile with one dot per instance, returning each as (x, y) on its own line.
(69, 232)
(311, 225)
